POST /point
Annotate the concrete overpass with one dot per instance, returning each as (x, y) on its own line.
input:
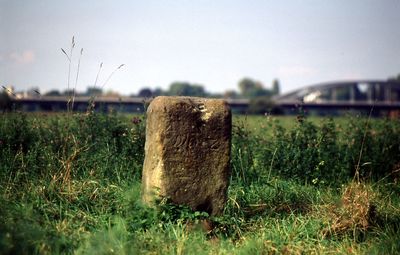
(325, 98)
(105, 104)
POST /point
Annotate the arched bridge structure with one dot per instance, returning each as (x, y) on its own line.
(382, 97)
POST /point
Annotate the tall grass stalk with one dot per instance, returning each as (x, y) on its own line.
(93, 98)
(111, 75)
(98, 73)
(8, 91)
(76, 79)
(357, 172)
(69, 57)
(272, 163)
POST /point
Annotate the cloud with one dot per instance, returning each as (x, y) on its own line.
(296, 71)
(24, 57)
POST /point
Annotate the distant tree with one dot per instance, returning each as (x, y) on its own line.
(247, 86)
(68, 92)
(252, 89)
(186, 89)
(5, 102)
(214, 95)
(276, 87)
(111, 94)
(93, 91)
(158, 92)
(261, 105)
(230, 94)
(145, 92)
(53, 92)
(395, 78)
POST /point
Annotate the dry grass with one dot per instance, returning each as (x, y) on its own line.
(354, 211)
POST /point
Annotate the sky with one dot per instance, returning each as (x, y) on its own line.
(214, 43)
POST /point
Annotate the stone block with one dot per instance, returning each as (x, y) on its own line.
(187, 152)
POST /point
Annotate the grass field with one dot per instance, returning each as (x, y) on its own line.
(70, 183)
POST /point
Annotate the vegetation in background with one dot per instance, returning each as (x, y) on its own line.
(70, 183)
(5, 102)
(248, 88)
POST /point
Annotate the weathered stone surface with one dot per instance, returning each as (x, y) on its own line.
(187, 152)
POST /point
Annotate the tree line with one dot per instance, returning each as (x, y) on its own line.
(260, 97)
(248, 89)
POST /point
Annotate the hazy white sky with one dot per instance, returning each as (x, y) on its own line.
(210, 42)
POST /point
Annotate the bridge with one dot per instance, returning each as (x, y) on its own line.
(105, 104)
(325, 98)
(383, 97)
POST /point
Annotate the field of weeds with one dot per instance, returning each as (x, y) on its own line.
(70, 183)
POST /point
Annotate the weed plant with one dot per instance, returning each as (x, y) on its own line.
(70, 183)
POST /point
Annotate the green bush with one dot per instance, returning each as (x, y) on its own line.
(372, 146)
(324, 154)
(94, 144)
